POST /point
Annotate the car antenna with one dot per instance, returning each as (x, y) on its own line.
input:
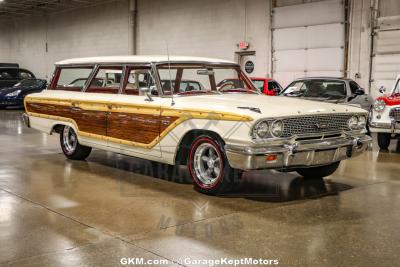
(170, 77)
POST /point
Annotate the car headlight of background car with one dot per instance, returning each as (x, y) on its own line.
(379, 105)
(15, 93)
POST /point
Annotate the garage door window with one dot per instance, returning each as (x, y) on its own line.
(73, 79)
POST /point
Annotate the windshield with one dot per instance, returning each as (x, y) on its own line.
(185, 79)
(259, 84)
(396, 90)
(317, 89)
(30, 82)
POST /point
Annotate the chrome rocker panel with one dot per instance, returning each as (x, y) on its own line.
(306, 153)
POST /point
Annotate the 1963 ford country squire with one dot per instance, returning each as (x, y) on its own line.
(215, 130)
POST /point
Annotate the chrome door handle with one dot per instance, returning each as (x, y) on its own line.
(76, 109)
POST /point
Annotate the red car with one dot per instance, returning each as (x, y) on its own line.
(267, 86)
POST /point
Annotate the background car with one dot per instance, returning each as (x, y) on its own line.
(14, 96)
(267, 86)
(384, 118)
(326, 89)
(11, 74)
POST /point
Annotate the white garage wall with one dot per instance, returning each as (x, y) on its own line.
(99, 30)
(5, 43)
(205, 28)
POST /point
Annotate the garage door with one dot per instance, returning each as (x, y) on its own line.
(386, 54)
(308, 40)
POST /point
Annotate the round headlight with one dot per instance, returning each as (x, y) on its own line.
(362, 122)
(277, 128)
(353, 122)
(262, 130)
(379, 105)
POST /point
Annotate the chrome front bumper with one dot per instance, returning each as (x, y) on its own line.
(293, 154)
(381, 127)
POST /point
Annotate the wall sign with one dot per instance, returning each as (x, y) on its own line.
(249, 66)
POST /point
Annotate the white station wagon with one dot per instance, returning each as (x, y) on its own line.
(170, 110)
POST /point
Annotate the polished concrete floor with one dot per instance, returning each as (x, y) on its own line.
(56, 212)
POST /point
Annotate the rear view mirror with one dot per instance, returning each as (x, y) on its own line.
(205, 72)
(382, 89)
(359, 92)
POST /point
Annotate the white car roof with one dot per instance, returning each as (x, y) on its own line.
(140, 59)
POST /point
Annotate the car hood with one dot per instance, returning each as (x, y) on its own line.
(8, 90)
(268, 106)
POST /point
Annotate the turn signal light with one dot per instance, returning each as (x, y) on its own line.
(271, 157)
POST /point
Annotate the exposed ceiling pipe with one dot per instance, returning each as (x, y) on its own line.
(132, 26)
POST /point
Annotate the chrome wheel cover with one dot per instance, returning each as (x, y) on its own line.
(69, 140)
(207, 164)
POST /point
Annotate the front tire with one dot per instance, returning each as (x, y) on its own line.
(318, 172)
(70, 145)
(209, 167)
(384, 140)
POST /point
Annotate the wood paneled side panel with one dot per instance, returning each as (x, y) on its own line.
(94, 122)
(134, 127)
(140, 128)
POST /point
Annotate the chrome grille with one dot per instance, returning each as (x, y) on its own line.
(395, 113)
(318, 124)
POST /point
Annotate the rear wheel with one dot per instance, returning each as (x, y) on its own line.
(383, 140)
(318, 172)
(209, 167)
(70, 145)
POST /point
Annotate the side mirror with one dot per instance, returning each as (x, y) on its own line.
(359, 92)
(147, 92)
(382, 89)
(277, 91)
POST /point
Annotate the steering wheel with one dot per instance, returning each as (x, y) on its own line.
(226, 84)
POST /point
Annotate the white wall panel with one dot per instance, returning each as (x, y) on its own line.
(205, 28)
(96, 31)
(315, 13)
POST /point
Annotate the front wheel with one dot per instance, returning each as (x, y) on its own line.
(384, 140)
(70, 145)
(318, 172)
(209, 167)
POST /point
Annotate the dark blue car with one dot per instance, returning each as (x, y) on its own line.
(14, 96)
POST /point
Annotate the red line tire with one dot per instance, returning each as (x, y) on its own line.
(209, 167)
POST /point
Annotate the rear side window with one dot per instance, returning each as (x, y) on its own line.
(8, 74)
(25, 75)
(73, 79)
(107, 80)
